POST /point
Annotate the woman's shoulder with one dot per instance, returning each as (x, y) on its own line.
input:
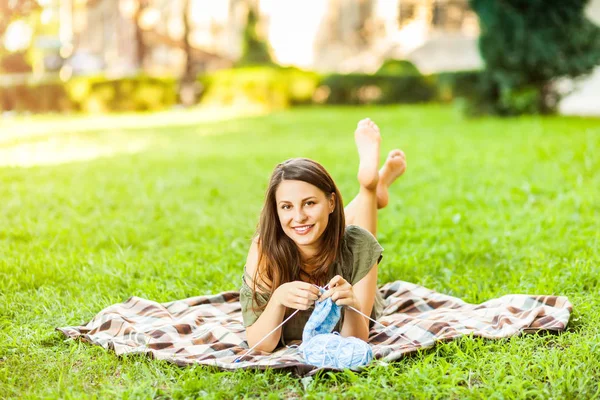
(361, 250)
(251, 267)
(355, 235)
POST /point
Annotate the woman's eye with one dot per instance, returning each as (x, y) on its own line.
(310, 202)
(285, 207)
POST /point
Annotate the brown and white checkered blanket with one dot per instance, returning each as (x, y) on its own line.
(208, 329)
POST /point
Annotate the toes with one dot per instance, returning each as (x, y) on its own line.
(372, 125)
(396, 153)
(367, 123)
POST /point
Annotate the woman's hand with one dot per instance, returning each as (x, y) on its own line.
(341, 292)
(297, 294)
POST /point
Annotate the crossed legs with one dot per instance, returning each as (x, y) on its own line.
(373, 191)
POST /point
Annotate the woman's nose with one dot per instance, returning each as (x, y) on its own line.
(300, 216)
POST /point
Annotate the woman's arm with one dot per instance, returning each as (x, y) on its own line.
(268, 320)
(364, 290)
(271, 316)
(360, 296)
(297, 295)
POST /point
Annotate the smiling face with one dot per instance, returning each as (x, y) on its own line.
(303, 211)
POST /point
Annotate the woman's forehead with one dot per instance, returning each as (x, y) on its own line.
(293, 190)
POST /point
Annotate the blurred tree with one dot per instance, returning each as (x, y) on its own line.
(141, 46)
(526, 45)
(12, 9)
(188, 87)
(27, 11)
(255, 50)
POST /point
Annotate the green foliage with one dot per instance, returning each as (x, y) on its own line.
(137, 93)
(454, 85)
(526, 45)
(398, 68)
(93, 94)
(375, 89)
(266, 86)
(255, 50)
(487, 207)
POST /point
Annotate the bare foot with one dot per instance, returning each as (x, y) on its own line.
(394, 167)
(367, 141)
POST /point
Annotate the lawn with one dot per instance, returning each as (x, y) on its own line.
(110, 208)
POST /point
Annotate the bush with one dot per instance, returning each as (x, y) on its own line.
(375, 89)
(398, 68)
(91, 94)
(136, 93)
(454, 85)
(35, 97)
(269, 86)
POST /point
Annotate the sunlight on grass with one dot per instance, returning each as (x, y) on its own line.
(55, 140)
(19, 128)
(60, 150)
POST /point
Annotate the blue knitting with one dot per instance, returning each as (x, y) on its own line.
(323, 319)
(324, 349)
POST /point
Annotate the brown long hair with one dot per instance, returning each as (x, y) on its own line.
(279, 257)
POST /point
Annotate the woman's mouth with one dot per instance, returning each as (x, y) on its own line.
(303, 230)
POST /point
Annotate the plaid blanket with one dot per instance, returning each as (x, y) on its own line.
(208, 329)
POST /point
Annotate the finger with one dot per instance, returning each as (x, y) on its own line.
(302, 301)
(315, 289)
(305, 294)
(334, 290)
(303, 305)
(305, 286)
(311, 287)
(313, 294)
(335, 281)
(325, 295)
(341, 294)
(299, 306)
(330, 292)
(344, 302)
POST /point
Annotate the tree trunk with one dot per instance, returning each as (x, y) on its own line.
(188, 88)
(141, 48)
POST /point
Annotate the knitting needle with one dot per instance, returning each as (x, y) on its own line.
(268, 334)
(377, 322)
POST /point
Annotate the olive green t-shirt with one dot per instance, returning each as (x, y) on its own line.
(360, 251)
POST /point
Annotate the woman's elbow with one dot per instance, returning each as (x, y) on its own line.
(268, 345)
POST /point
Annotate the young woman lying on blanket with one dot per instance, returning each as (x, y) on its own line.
(306, 237)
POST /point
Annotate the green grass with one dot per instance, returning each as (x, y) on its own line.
(487, 207)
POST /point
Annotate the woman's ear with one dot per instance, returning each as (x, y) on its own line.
(331, 202)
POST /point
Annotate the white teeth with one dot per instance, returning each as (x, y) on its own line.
(303, 229)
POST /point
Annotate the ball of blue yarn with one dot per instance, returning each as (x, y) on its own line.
(335, 351)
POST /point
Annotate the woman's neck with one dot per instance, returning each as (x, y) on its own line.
(307, 254)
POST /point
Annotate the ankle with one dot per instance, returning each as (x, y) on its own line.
(371, 190)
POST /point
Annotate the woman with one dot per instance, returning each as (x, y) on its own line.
(306, 237)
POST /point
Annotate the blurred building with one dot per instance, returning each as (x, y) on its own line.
(325, 35)
(121, 36)
(358, 35)
(585, 96)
